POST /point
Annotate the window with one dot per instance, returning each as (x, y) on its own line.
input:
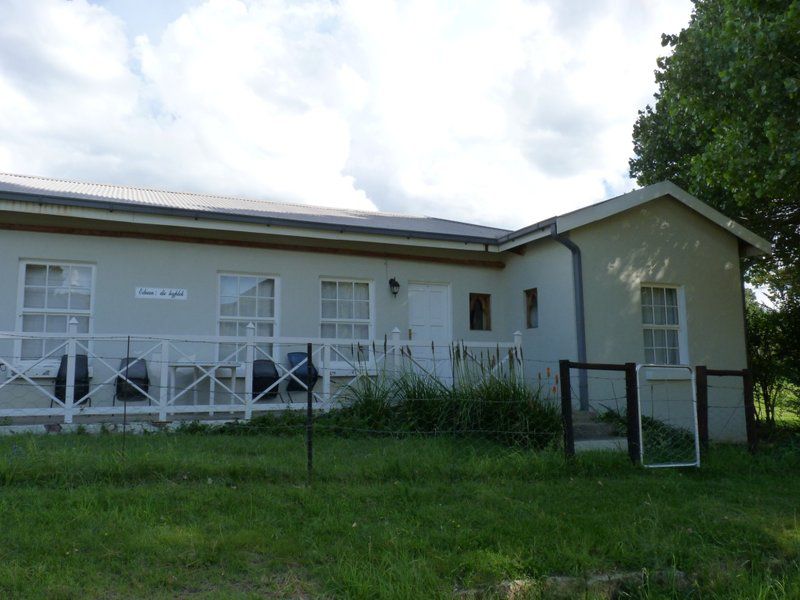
(661, 319)
(245, 299)
(51, 295)
(480, 313)
(346, 314)
(531, 308)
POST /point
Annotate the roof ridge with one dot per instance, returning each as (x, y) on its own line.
(225, 197)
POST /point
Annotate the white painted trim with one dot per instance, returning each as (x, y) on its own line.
(23, 262)
(340, 367)
(449, 287)
(613, 206)
(683, 334)
(275, 319)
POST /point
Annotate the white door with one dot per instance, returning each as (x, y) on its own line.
(429, 320)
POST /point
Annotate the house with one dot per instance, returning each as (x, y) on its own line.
(652, 276)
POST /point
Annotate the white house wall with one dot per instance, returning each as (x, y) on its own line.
(664, 242)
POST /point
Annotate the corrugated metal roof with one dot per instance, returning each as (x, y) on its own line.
(301, 215)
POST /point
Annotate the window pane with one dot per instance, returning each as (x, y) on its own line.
(32, 349)
(671, 297)
(659, 316)
(647, 296)
(80, 277)
(659, 338)
(672, 356)
(361, 310)
(647, 315)
(345, 291)
(266, 308)
(33, 323)
(34, 297)
(56, 276)
(227, 327)
(672, 338)
(649, 355)
(661, 356)
(83, 324)
(328, 330)
(658, 296)
(344, 331)
(248, 286)
(56, 324)
(329, 290)
(265, 329)
(329, 309)
(672, 315)
(35, 274)
(361, 332)
(57, 297)
(247, 307)
(226, 350)
(648, 338)
(79, 299)
(345, 310)
(228, 285)
(361, 291)
(227, 306)
(55, 348)
(266, 288)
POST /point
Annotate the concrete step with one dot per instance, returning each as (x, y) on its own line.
(583, 416)
(609, 444)
(593, 430)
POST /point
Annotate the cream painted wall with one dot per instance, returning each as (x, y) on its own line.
(666, 243)
(122, 263)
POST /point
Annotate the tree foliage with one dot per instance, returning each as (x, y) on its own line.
(726, 125)
(768, 335)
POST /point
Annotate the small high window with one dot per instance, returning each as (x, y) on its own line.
(531, 308)
(480, 312)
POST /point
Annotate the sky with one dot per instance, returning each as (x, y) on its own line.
(501, 112)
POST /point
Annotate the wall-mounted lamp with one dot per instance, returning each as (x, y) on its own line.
(394, 286)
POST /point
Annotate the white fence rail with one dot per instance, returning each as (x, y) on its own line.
(195, 376)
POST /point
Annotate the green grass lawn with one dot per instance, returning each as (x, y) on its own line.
(216, 516)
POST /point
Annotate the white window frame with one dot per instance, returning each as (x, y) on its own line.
(341, 367)
(275, 320)
(46, 365)
(683, 341)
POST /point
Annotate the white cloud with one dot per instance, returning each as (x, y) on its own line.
(502, 113)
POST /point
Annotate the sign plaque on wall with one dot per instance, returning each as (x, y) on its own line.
(158, 293)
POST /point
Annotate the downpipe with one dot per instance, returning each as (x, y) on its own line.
(580, 315)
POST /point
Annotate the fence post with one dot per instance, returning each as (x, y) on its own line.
(248, 372)
(518, 355)
(326, 373)
(749, 410)
(566, 408)
(69, 388)
(395, 351)
(309, 416)
(701, 389)
(632, 413)
(163, 392)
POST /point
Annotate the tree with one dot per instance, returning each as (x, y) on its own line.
(772, 368)
(726, 126)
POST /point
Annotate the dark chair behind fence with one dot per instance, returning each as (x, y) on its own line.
(133, 374)
(265, 374)
(302, 372)
(81, 381)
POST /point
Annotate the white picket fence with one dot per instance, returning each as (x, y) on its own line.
(189, 377)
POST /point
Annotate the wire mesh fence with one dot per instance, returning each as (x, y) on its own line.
(483, 396)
